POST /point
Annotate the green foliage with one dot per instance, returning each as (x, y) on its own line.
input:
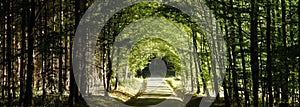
(150, 48)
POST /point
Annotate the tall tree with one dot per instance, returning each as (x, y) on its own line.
(3, 42)
(201, 73)
(60, 64)
(14, 43)
(229, 55)
(30, 66)
(245, 74)
(227, 98)
(8, 52)
(286, 73)
(191, 67)
(254, 51)
(44, 54)
(73, 87)
(269, 57)
(299, 49)
(23, 46)
(196, 61)
(233, 64)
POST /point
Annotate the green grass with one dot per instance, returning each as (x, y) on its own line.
(129, 89)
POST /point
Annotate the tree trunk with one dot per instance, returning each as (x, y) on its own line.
(30, 67)
(261, 77)
(73, 89)
(227, 98)
(2, 28)
(208, 67)
(104, 70)
(109, 73)
(213, 60)
(245, 74)
(196, 61)
(60, 85)
(44, 57)
(269, 56)
(13, 50)
(254, 51)
(277, 26)
(299, 49)
(191, 68)
(285, 74)
(8, 52)
(234, 72)
(23, 47)
(117, 72)
(201, 62)
(233, 64)
(292, 35)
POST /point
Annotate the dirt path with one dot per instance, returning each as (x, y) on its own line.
(157, 94)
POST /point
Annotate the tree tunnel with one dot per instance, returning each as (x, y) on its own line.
(148, 49)
(150, 38)
(135, 35)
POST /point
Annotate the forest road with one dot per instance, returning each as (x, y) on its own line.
(158, 94)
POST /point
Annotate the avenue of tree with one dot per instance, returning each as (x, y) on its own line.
(262, 41)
